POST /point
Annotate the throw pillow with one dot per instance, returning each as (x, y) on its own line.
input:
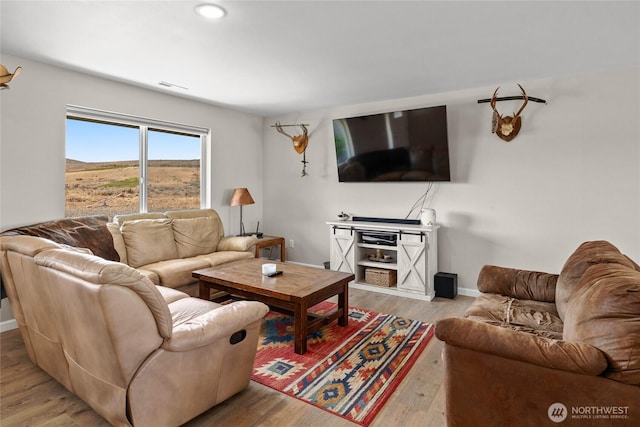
(605, 312)
(196, 236)
(148, 241)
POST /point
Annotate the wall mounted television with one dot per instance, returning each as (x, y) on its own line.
(409, 145)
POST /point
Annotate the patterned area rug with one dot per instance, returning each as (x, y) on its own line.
(349, 371)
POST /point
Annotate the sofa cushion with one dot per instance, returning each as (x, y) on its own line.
(121, 219)
(535, 317)
(148, 241)
(605, 312)
(191, 213)
(221, 257)
(196, 236)
(587, 254)
(518, 283)
(171, 295)
(176, 272)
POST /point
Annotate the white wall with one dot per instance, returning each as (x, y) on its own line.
(571, 175)
(32, 150)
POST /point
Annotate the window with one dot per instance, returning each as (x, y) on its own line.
(117, 164)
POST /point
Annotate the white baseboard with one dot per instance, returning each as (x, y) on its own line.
(8, 325)
(461, 291)
(469, 292)
(302, 263)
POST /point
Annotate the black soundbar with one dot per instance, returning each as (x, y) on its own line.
(387, 220)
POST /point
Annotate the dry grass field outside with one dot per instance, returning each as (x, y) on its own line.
(113, 188)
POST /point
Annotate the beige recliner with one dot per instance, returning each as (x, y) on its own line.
(137, 353)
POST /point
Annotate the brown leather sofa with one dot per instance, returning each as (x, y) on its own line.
(540, 349)
(137, 353)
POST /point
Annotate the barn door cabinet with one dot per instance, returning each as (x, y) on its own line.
(411, 251)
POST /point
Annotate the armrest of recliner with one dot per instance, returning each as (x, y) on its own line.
(213, 325)
(571, 356)
(237, 243)
(515, 283)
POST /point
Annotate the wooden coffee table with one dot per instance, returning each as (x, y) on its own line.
(293, 292)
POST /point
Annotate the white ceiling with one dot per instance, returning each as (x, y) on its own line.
(275, 57)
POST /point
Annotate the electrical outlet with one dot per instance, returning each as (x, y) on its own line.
(291, 243)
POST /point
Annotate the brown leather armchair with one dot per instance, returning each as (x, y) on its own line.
(137, 353)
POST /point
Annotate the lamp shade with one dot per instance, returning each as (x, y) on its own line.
(241, 197)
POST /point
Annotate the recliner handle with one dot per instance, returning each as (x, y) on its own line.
(238, 337)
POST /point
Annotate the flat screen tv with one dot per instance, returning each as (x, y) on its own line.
(410, 145)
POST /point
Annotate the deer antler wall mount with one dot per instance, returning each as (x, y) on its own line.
(6, 76)
(507, 127)
(300, 142)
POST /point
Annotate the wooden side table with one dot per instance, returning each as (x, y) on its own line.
(268, 241)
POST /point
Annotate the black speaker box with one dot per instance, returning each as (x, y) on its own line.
(446, 285)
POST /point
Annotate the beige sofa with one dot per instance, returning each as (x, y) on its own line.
(167, 247)
(100, 308)
(539, 349)
(164, 247)
(137, 353)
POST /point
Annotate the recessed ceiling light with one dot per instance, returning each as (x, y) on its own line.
(210, 10)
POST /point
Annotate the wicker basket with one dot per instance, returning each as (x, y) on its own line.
(380, 277)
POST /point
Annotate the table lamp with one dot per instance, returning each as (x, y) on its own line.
(241, 197)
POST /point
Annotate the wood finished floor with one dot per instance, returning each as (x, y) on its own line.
(30, 397)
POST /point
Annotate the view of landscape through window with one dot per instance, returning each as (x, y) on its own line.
(103, 169)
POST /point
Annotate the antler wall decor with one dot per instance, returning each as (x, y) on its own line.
(6, 77)
(508, 127)
(300, 142)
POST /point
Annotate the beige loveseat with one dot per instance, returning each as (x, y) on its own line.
(540, 349)
(137, 353)
(167, 247)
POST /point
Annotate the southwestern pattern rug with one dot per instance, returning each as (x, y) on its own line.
(349, 371)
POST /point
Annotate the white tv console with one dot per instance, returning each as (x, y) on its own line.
(414, 255)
